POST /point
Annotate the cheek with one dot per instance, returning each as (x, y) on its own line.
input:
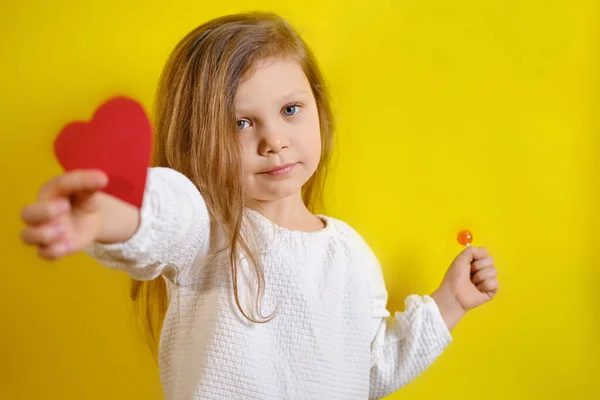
(315, 148)
(308, 137)
(247, 152)
(314, 141)
(309, 150)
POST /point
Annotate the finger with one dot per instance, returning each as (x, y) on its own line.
(483, 274)
(55, 251)
(483, 263)
(38, 213)
(465, 256)
(44, 234)
(73, 182)
(479, 253)
(488, 285)
(472, 253)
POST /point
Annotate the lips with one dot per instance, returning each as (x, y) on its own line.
(280, 169)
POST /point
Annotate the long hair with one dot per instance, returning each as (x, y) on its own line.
(196, 134)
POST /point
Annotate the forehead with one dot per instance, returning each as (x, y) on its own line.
(270, 81)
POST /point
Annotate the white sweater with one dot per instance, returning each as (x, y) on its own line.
(331, 337)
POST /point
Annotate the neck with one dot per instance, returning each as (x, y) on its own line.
(290, 213)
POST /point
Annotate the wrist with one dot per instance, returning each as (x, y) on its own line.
(449, 306)
(118, 221)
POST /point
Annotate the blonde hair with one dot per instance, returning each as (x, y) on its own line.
(196, 134)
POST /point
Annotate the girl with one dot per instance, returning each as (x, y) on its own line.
(254, 296)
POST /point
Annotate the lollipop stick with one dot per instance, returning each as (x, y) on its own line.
(465, 238)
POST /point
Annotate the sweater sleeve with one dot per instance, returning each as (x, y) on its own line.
(174, 229)
(404, 345)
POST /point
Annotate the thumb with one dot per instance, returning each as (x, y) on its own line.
(472, 253)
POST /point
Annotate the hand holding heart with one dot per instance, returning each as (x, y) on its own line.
(116, 141)
(106, 162)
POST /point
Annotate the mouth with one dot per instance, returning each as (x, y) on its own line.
(279, 170)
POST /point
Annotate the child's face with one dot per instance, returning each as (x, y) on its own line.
(278, 125)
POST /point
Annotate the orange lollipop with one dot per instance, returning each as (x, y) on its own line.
(465, 238)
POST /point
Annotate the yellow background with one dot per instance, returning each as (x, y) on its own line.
(452, 114)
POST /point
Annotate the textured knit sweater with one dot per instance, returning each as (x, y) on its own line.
(331, 336)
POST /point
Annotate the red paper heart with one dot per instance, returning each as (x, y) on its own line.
(118, 141)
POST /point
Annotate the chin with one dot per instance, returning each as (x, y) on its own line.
(281, 190)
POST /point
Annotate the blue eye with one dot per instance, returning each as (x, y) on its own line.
(291, 109)
(240, 124)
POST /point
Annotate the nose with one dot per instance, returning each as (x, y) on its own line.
(273, 141)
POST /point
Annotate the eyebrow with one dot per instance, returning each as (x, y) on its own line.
(287, 96)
